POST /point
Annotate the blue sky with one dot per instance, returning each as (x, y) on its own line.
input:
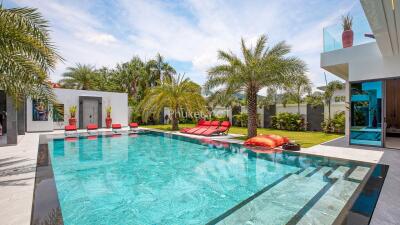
(187, 33)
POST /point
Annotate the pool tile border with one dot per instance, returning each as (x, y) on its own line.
(45, 195)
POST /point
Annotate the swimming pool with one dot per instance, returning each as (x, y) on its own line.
(157, 178)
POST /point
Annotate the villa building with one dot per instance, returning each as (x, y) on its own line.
(37, 116)
(371, 69)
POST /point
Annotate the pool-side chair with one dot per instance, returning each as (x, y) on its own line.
(133, 126)
(213, 126)
(70, 129)
(116, 127)
(205, 124)
(199, 123)
(91, 127)
(222, 129)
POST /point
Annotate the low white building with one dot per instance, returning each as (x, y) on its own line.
(91, 108)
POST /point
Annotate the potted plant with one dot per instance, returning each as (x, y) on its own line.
(348, 34)
(108, 118)
(72, 113)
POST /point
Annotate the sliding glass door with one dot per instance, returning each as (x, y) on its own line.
(366, 113)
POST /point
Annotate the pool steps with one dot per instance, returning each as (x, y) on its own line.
(306, 205)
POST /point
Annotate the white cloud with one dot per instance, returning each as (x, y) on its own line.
(192, 32)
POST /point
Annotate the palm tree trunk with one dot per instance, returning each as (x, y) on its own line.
(174, 121)
(329, 110)
(252, 112)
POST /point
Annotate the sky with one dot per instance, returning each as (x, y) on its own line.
(187, 33)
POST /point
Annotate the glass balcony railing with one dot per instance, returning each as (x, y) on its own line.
(333, 34)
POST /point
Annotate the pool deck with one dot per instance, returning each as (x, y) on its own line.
(18, 164)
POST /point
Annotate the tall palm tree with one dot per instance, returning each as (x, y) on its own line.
(177, 93)
(330, 89)
(132, 77)
(80, 77)
(296, 87)
(159, 70)
(27, 54)
(260, 67)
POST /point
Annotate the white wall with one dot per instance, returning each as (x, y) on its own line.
(69, 97)
(291, 108)
(260, 112)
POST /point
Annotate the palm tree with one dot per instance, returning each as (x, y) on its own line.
(80, 77)
(260, 67)
(330, 89)
(177, 93)
(296, 87)
(27, 54)
(132, 77)
(158, 70)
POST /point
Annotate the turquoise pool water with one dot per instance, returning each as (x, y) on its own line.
(155, 178)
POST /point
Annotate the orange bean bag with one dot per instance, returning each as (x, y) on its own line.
(270, 141)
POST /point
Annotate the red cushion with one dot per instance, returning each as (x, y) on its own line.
(133, 125)
(261, 141)
(91, 127)
(207, 123)
(277, 138)
(70, 128)
(116, 126)
(200, 122)
(215, 123)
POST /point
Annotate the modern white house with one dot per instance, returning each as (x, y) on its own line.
(91, 109)
(371, 69)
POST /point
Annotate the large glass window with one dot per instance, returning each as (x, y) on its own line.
(366, 113)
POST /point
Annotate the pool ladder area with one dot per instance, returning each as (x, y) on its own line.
(309, 196)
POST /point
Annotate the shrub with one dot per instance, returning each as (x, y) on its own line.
(335, 125)
(288, 121)
(240, 120)
(220, 118)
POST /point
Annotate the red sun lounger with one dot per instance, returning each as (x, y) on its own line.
(133, 125)
(199, 124)
(91, 127)
(206, 124)
(70, 129)
(223, 129)
(213, 126)
(116, 127)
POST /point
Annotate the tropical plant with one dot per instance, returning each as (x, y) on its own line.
(177, 93)
(315, 98)
(159, 70)
(27, 54)
(132, 78)
(335, 125)
(241, 119)
(347, 22)
(80, 77)
(330, 89)
(288, 121)
(296, 87)
(108, 110)
(72, 111)
(260, 67)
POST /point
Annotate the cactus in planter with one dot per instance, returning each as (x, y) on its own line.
(108, 118)
(72, 113)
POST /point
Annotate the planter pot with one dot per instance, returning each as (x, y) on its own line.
(347, 38)
(72, 121)
(108, 122)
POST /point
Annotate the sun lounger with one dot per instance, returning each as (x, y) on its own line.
(91, 128)
(70, 129)
(200, 123)
(206, 124)
(223, 129)
(116, 127)
(213, 126)
(133, 126)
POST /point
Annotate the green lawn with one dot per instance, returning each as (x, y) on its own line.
(304, 138)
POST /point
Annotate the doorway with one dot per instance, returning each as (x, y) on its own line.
(392, 113)
(90, 111)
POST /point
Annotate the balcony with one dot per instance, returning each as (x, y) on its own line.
(333, 34)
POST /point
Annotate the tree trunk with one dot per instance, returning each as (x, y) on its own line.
(298, 107)
(252, 112)
(175, 121)
(329, 110)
